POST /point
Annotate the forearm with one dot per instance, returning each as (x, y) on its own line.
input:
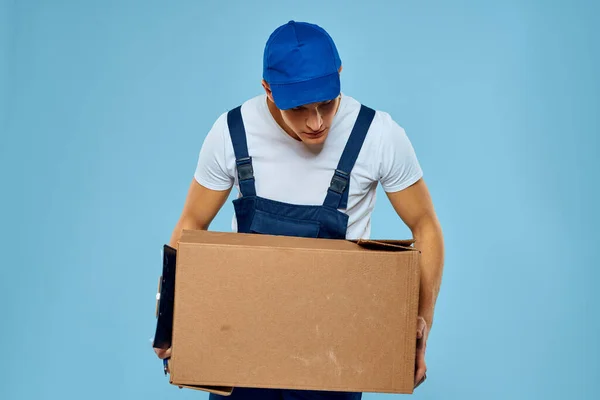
(429, 240)
(185, 222)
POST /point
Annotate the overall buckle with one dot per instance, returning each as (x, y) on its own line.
(245, 169)
(339, 181)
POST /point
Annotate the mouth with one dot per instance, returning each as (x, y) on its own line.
(315, 135)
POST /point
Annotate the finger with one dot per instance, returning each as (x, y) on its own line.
(420, 373)
(420, 366)
(421, 380)
(162, 353)
(420, 358)
(420, 370)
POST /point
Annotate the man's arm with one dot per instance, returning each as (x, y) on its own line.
(202, 204)
(415, 208)
(200, 208)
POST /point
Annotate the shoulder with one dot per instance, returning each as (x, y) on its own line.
(398, 163)
(254, 107)
(385, 134)
(388, 134)
(384, 131)
(250, 109)
(383, 124)
(386, 126)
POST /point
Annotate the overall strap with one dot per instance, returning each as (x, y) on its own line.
(240, 148)
(337, 194)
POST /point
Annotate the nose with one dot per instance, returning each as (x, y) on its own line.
(314, 120)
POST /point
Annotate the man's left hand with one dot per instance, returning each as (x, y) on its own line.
(420, 367)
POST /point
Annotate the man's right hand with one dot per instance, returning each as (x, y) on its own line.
(162, 353)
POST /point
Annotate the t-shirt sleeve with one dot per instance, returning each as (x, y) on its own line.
(211, 170)
(399, 166)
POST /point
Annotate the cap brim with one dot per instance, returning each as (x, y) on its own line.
(312, 91)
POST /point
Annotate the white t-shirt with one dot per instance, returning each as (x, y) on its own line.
(287, 170)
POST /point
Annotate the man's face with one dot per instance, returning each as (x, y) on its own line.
(311, 122)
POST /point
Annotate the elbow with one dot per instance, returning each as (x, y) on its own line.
(428, 236)
(189, 222)
(427, 225)
(186, 222)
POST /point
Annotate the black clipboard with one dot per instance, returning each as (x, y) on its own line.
(165, 300)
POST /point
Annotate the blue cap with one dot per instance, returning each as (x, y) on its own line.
(301, 65)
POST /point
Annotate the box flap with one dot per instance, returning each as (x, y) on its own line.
(262, 240)
(400, 242)
(274, 241)
(387, 245)
(222, 390)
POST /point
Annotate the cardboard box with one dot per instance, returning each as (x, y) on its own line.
(296, 313)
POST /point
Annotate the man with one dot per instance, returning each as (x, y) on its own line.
(307, 160)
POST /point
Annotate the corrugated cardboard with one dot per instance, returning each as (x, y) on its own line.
(297, 313)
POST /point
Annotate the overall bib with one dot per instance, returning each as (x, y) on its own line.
(260, 215)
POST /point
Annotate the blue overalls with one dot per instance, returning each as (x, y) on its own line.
(259, 215)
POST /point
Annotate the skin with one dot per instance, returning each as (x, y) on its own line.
(413, 205)
(308, 123)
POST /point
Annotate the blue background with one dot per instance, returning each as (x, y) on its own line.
(105, 106)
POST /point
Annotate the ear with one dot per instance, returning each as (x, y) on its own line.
(340, 70)
(267, 88)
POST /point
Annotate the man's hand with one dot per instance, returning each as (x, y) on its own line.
(420, 367)
(163, 354)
